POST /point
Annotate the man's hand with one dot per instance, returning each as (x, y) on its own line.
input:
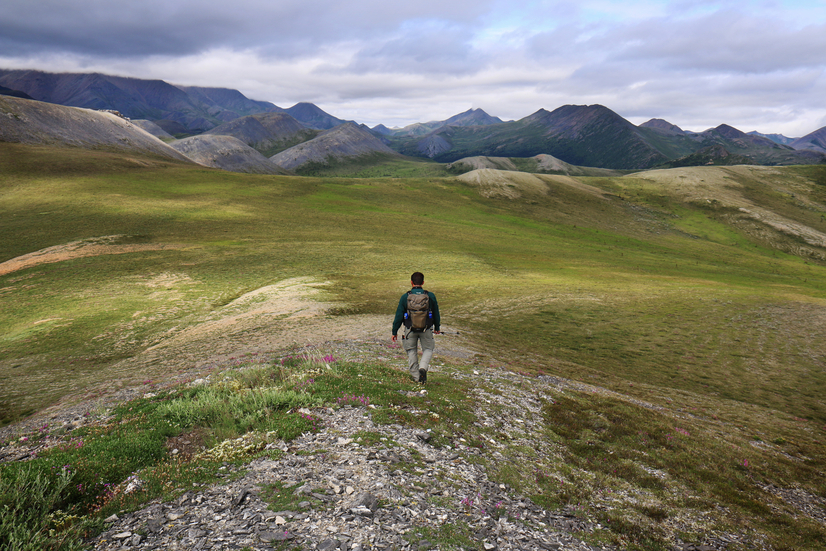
(394, 338)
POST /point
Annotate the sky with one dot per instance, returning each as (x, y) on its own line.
(756, 65)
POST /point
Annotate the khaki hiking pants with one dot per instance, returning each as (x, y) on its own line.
(410, 342)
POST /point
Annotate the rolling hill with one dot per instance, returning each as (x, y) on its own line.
(37, 122)
(344, 143)
(268, 133)
(539, 164)
(226, 153)
(153, 129)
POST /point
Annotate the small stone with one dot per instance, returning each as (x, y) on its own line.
(279, 521)
(267, 537)
(365, 500)
(122, 536)
(327, 545)
(240, 498)
(112, 518)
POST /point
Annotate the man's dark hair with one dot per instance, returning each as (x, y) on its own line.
(417, 278)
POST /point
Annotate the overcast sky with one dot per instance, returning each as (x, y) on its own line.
(757, 65)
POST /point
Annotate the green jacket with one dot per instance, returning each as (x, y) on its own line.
(402, 308)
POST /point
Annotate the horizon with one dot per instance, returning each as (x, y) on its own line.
(756, 65)
(471, 109)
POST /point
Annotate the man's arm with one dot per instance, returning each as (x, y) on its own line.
(437, 320)
(399, 319)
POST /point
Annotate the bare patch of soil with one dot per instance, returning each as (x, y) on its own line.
(187, 444)
(79, 249)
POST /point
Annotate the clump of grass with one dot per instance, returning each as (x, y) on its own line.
(217, 407)
(28, 510)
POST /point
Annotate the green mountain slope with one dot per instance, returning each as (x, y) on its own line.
(195, 108)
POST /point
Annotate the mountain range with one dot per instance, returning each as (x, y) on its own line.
(176, 109)
(576, 135)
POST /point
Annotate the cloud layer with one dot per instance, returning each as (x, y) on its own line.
(757, 65)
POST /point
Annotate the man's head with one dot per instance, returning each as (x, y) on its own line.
(417, 278)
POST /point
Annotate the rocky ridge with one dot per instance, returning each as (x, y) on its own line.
(352, 497)
(389, 491)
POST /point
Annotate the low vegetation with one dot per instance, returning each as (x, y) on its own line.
(701, 324)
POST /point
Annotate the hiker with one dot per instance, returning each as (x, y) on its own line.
(418, 311)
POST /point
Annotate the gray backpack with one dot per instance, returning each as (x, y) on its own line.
(418, 317)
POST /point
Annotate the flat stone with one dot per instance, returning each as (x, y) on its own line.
(268, 537)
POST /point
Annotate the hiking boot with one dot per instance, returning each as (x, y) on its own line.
(422, 376)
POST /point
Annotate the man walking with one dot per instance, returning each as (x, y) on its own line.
(418, 311)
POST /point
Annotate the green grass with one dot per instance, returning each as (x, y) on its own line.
(676, 303)
(651, 258)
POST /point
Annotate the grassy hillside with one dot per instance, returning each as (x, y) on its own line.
(696, 290)
(633, 271)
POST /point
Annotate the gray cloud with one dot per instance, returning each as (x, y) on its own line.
(429, 49)
(698, 63)
(175, 27)
(723, 41)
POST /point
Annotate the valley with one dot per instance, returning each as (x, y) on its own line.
(673, 318)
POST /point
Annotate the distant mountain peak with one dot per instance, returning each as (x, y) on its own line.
(472, 117)
(313, 116)
(660, 124)
(816, 141)
(730, 132)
